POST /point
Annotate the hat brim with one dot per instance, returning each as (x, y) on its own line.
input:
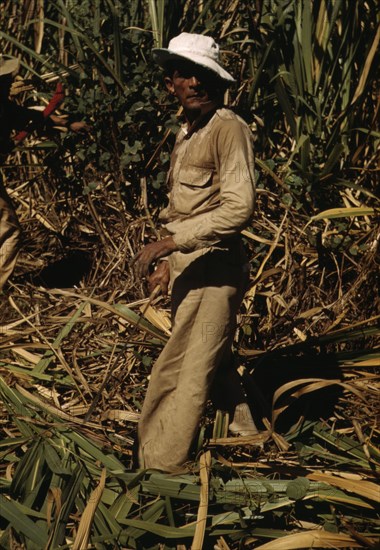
(9, 66)
(163, 56)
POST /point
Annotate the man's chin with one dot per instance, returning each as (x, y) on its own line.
(194, 104)
(200, 105)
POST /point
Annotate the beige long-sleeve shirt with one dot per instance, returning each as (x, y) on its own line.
(211, 181)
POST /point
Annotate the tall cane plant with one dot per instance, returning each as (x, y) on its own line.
(319, 58)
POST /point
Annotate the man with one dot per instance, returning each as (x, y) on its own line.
(16, 117)
(211, 199)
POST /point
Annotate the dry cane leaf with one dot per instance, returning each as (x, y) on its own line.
(205, 464)
(84, 529)
(158, 318)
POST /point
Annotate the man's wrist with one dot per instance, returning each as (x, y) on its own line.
(170, 244)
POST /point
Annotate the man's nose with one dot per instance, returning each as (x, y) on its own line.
(194, 82)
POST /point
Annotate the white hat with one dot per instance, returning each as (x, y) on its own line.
(200, 49)
(8, 66)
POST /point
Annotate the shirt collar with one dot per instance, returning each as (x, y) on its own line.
(199, 122)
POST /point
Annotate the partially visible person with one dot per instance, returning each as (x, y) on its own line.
(16, 117)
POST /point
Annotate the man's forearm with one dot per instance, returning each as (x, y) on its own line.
(151, 252)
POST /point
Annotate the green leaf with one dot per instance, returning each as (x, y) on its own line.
(124, 502)
(285, 103)
(137, 527)
(22, 523)
(298, 488)
(333, 158)
(43, 364)
(28, 471)
(88, 450)
(164, 531)
(69, 495)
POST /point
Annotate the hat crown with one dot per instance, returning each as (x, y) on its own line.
(195, 43)
(196, 48)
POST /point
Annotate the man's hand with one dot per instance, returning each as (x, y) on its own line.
(151, 252)
(160, 277)
(79, 127)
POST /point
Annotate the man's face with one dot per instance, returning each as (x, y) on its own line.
(196, 88)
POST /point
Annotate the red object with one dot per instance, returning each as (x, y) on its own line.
(53, 104)
(55, 101)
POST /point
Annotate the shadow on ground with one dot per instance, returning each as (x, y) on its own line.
(270, 373)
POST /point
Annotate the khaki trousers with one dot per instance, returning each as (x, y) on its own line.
(207, 289)
(10, 233)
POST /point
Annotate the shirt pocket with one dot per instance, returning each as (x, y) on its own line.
(195, 176)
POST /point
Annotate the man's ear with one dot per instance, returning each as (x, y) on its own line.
(169, 85)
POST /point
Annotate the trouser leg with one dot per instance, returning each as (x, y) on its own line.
(10, 233)
(206, 297)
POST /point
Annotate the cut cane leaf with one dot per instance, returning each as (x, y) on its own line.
(312, 539)
(342, 213)
(365, 489)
